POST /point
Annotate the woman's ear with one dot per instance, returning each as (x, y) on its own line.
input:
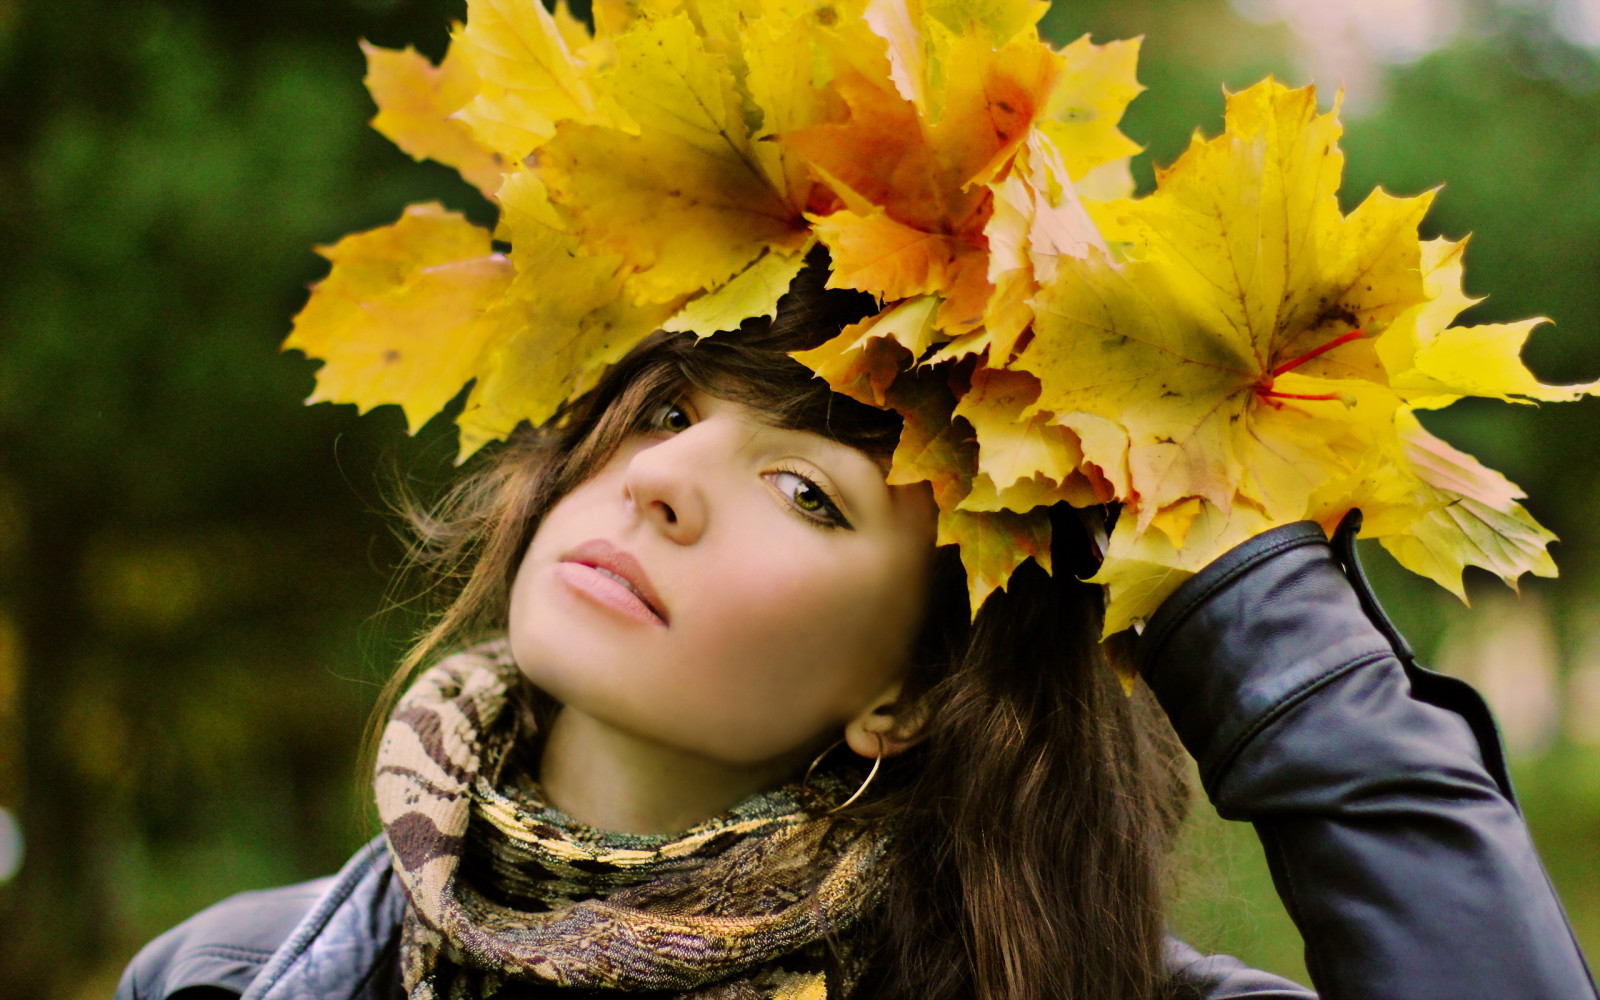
(885, 718)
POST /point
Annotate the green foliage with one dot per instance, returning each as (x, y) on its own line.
(191, 559)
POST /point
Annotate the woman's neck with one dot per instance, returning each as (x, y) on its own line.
(615, 781)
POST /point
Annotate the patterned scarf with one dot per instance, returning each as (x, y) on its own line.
(508, 895)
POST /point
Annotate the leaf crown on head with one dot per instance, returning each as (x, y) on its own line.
(1229, 353)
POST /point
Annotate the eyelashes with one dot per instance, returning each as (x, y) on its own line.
(808, 498)
(670, 416)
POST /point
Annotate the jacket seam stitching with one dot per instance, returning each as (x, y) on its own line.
(234, 951)
(1234, 572)
(1182, 614)
(295, 948)
(1291, 698)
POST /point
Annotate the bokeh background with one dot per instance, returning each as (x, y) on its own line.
(195, 571)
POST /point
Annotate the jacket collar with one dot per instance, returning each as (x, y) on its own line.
(344, 948)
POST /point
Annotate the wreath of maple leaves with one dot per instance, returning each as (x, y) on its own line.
(1227, 354)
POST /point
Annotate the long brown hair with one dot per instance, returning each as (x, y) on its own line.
(1029, 825)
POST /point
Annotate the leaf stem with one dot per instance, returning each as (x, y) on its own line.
(1294, 363)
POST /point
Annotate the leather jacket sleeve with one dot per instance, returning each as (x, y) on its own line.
(1378, 789)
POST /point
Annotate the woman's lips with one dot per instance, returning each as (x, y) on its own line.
(612, 578)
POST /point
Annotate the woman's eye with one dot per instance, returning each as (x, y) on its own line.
(811, 500)
(671, 417)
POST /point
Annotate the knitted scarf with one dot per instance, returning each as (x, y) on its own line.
(507, 894)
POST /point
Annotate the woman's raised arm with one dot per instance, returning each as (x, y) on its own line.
(1378, 788)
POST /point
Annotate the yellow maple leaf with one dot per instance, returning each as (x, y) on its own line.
(802, 986)
(996, 530)
(751, 293)
(1025, 459)
(912, 159)
(1016, 441)
(993, 96)
(899, 24)
(864, 359)
(1253, 355)
(1022, 496)
(932, 448)
(415, 101)
(1108, 182)
(878, 254)
(1142, 569)
(567, 318)
(1095, 87)
(1236, 347)
(1231, 353)
(956, 145)
(529, 76)
(573, 31)
(938, 449)
(687, 201)
(613, 17)
(790, 62)
(1037, 219)
(923, 39)
(1432, 364)
(994, 544)
(400, 317)
(881, 156)
(1471, 519)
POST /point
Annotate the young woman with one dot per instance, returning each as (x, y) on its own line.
(708, 717)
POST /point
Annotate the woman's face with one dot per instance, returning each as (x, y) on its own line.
(725, 587)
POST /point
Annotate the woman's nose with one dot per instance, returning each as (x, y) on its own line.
(664, 481)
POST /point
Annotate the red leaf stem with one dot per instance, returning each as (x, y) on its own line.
(1294, 363)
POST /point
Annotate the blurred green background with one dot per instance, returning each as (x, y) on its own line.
(194, 570)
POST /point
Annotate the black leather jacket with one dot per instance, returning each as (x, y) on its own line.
(1378, 789)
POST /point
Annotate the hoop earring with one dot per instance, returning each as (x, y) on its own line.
(858, 792)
